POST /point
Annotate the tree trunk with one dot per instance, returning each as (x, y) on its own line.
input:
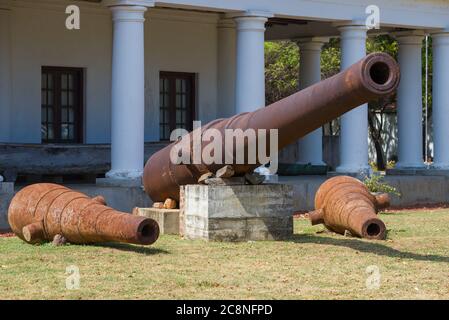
(376, 136)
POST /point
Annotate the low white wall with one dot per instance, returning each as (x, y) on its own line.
(175, 41)
(413, 190)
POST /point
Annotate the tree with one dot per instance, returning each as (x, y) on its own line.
(281, 69)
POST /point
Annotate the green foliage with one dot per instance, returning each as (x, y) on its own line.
(282, 63)
(430, 73)
(281, 69)
(382, 43)
(330, 58)
(375, 183)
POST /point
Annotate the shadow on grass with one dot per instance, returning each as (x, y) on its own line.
(369, 247)
(132, 248)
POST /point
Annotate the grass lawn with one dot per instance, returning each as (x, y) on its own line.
(413, 264)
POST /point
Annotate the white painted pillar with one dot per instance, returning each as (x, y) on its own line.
(409, 101)
(226, 68)
(128, 89)
(354, 124)
(310, 147)
(440, 95)
(250, 72)
(5, 75)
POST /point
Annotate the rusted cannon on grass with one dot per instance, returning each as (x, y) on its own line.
(375, 76)
(345, 204)
(40, 212)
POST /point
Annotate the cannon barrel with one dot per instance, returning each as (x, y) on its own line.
(39, 212)
(374, 76)
(344, 203)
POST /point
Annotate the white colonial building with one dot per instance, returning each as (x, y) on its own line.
(136, 69)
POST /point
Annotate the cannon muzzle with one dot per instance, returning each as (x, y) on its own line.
(344, 203)
(39, 212)
(374, 76)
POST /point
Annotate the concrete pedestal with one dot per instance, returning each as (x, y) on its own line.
(167, 219)
(237, 212)
(6, 194)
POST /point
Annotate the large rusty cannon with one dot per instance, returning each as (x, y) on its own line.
(345, 204)
(40, 212)
(375, 76)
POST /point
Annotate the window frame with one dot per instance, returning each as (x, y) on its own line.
(78, 104)
(191, 94)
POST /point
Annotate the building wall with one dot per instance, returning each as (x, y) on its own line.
(181, 42)
(174, 42)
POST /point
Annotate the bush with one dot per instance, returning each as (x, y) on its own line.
(375, 183)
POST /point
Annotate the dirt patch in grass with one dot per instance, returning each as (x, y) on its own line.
(393, 209)
(418, 207)
(6, 235)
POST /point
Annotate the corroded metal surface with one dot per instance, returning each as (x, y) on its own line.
(344, 203)
(373, 77)
(39, 212)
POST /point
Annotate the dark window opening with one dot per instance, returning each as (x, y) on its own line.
(62, 105)
(177, 102)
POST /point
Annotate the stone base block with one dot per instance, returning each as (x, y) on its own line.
(168, 219)
(238, 213)
(6, 194)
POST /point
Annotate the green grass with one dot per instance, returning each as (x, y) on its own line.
(413, 264)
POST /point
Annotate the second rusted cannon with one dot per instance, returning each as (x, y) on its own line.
(40, 212)
(345, 204)
(376, 75)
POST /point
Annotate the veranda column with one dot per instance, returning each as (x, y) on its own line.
(5, 75)
(440, 96)
(128, 86)
(226, 68)
(310, 147)
(354, 124)
(250, 72)
(409, 101)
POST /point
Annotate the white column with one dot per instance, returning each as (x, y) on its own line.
(250, 72)
(226, 68)
(354, 124)
(5, 75)
(310, 147)
(440, 99)
(409, 101)
(128, 89)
